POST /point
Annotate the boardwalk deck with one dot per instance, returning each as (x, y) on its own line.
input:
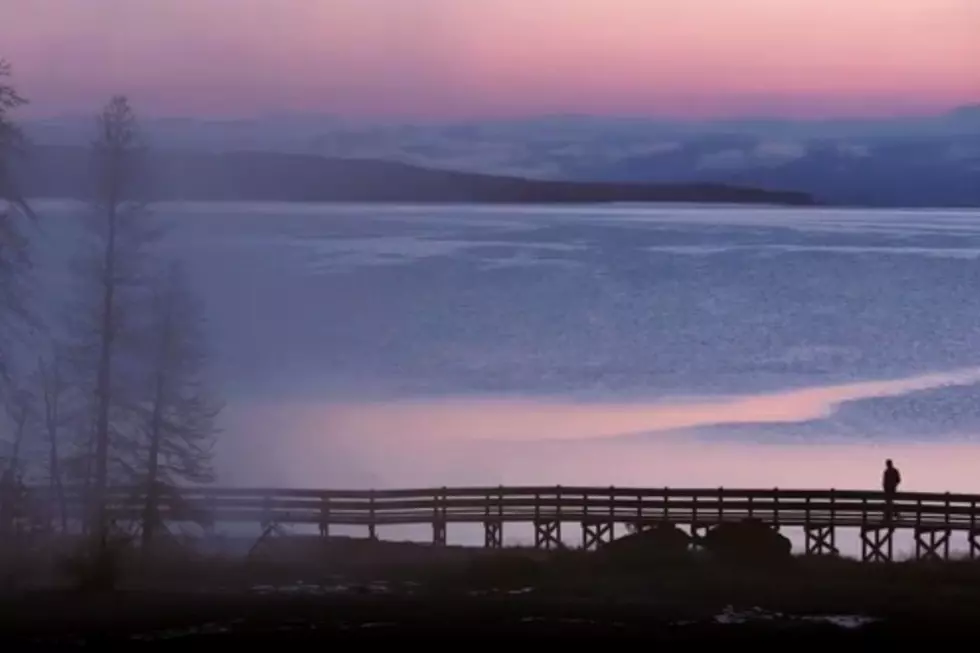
(932, 517)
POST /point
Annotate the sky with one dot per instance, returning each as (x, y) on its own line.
(435, 59)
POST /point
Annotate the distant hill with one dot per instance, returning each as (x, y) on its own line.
(64, 172)
(911, 161)
(912, 172)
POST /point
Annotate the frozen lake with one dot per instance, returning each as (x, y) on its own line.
(393, 345)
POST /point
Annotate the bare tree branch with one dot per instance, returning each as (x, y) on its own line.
(16, 263)
(179, 417)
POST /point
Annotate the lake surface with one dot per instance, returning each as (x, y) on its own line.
(367, 346)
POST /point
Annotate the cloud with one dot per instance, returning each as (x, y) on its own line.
(780, 150)
(725, 160)
(853, 150)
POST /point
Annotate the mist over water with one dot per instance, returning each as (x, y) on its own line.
(383, 346)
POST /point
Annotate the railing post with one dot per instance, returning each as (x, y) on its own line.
(439, 523)
(947, 534)
(666, 506)
(325, 515)
(775, 506)
(612, 513)
(972, 536)
(973, 529)
(721, 501)
(558, 502)
(833, 507)
(372, 525)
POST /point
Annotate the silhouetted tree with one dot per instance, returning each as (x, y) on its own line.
(114, 268)
(54, 391)
(20, 409)
(15, 255)
(178, 416)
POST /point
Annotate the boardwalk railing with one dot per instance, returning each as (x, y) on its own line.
(933, 516)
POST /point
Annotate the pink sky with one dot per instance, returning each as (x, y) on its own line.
(473, 58)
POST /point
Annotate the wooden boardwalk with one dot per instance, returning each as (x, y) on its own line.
(932, 517)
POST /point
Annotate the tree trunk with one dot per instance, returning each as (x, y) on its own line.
(18, 442)
(105, 380)
(151, 513)
(88, 482)
(56, 487)
(50, 377)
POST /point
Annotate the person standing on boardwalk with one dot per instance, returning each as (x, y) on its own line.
(890, 480)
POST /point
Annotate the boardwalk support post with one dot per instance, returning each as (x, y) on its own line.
(439, 519)
(493, 527)
(877, 544)
(372, 522)
(493, 534)
(820, 540)
(547, 530)
(547, 534)
(929, 541)
(325, 516)
(596, 534)
(971, 536)
(439, 532)
(974, 539)
(698, 533)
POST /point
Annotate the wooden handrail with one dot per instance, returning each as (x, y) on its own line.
(601, 493)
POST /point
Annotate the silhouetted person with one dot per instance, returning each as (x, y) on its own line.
(890, 481)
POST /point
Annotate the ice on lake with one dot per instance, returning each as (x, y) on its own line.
(378, 346)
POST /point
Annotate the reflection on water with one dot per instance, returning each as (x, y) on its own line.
(491, 441)
(523, 442)
(529, 420)
(398, 453)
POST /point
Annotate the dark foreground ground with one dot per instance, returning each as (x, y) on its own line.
(387, 591)
(57, 621)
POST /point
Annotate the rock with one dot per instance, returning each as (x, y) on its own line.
(749, 541)
(660, 541)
